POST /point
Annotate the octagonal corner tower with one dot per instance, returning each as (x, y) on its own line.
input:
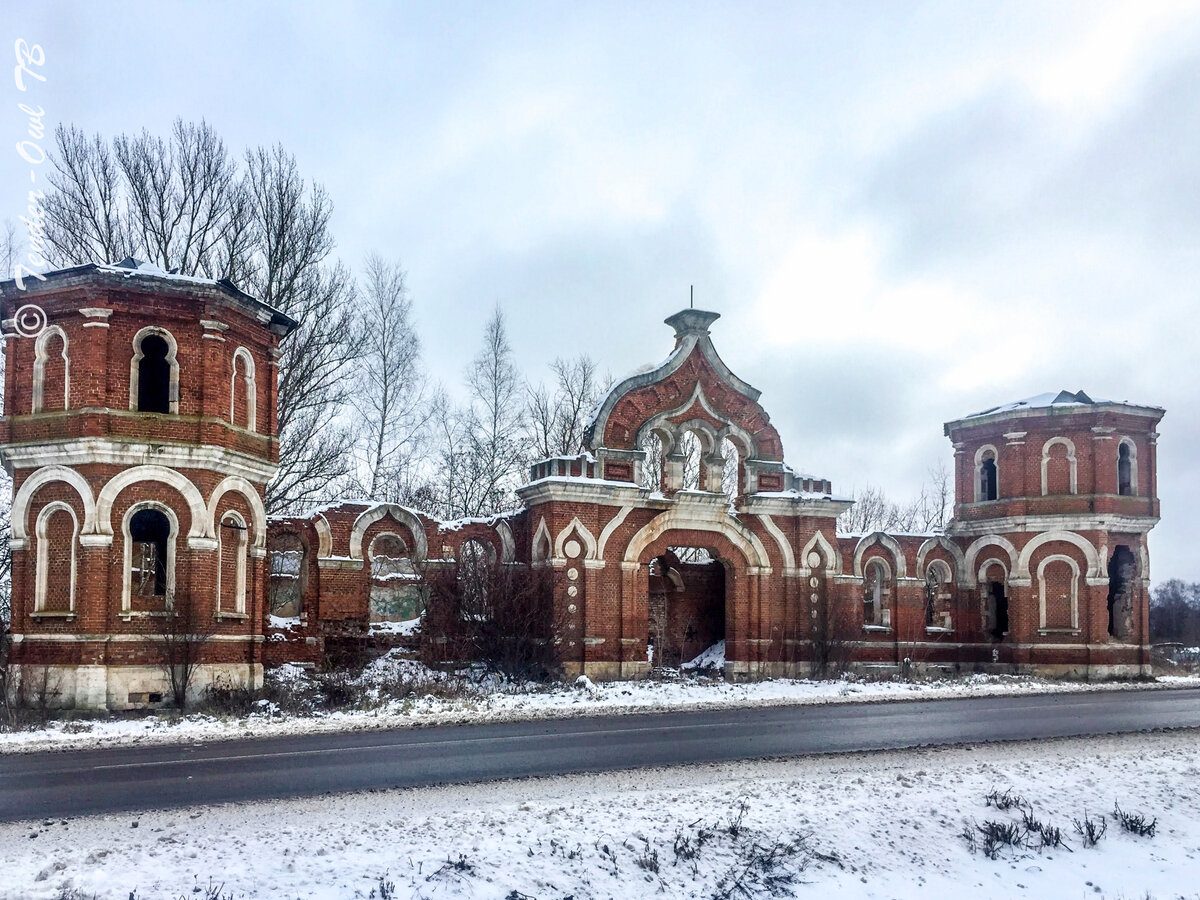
(1055, 497)
(140, 431)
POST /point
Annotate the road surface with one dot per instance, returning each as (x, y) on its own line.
(59, 784)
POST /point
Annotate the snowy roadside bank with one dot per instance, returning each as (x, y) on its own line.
(394, 692)
(868, 825)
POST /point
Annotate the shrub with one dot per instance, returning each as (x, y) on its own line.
(1135, 823)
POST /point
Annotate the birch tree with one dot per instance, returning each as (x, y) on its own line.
(391, 400)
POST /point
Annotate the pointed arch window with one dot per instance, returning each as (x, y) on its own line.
(57, 531)
(232, 541)
(987, 475)
(242, 392)
(51, 371)
(149, 531)
(1127, 474)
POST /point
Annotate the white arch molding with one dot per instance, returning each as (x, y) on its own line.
(831, 556)
(41, 529)
(1041, 575)
(785, 546)
(172, 363)
(402, 515)
(41, 355)
(1074, 470)
(991, 561)
(989, 539)
(38, 480)
(589, 541)
(324, 537)
(887, 542)
(199, 534)
(508, 544)
(241, 353)
(542, 543)
(672, 520)
(961, 572)
(242, 548)
(247, 491)
(1095, 569)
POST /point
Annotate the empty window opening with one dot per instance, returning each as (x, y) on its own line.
(988, 481)
(154, 376)
(937, 596)
(731, 476)
(689, 446)
(875, 596)
(149, 531)
(474, 578)
(686, 614)
(285, 588)
(395, 585)
(1122, 569)
(1124, 471)
(996, 610)
(652, 464)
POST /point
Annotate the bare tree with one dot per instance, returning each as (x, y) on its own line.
(485, 611)
(180, 635)
(831, 637)
(391, 398)
(928, 512)
(489, 463)
(187, 205)
(556, 417)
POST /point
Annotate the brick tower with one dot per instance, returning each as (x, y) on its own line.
(1055, 496)
(140, 431)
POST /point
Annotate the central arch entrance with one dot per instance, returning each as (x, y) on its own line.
(686, 607)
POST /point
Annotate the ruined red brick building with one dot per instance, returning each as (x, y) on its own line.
(140, 429)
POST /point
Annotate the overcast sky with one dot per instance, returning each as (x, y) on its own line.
(903, 212)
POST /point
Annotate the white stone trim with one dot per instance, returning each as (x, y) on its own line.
(543, 545)
(613, 524)
(961, 573)
(979, 464)
(239, 593)
(1064, 522)
(785, 546)
(201, 520)
(127, 541)
(43, 553)
(39, 479)
(979, 543)
(248, 492)
(589, 540)
(981, 577)
(685, 519)
(1134, 486)
(102, 451)
(1041, 575)
(324, 537)
(887, 542)
(1070, 445)
(40, 358)
(402, 515)
(172, 362)
(832, 556)
(251, 390)
(1089, 552)
(508, 544)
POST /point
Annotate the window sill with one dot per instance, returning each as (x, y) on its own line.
(129, 614)
(1058, 631)
(938, 629)
(236, 616)
(52, 614)
(880, 628)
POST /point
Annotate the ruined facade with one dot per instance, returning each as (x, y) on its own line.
(678, 526)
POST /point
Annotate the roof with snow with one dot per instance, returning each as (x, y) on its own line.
(130, 267)
(1065, 401)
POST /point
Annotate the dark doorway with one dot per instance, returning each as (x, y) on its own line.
(998, 607)
(686, 605)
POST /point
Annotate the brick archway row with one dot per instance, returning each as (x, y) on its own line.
(97, 511)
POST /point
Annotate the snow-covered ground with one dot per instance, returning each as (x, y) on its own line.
(867, 825)
(398, 692)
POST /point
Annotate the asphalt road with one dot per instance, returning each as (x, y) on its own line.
(71, 783)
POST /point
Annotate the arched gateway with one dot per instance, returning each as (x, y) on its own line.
(698, 553)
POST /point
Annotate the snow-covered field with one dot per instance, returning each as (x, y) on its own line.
(868, 825)
(397, 692)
